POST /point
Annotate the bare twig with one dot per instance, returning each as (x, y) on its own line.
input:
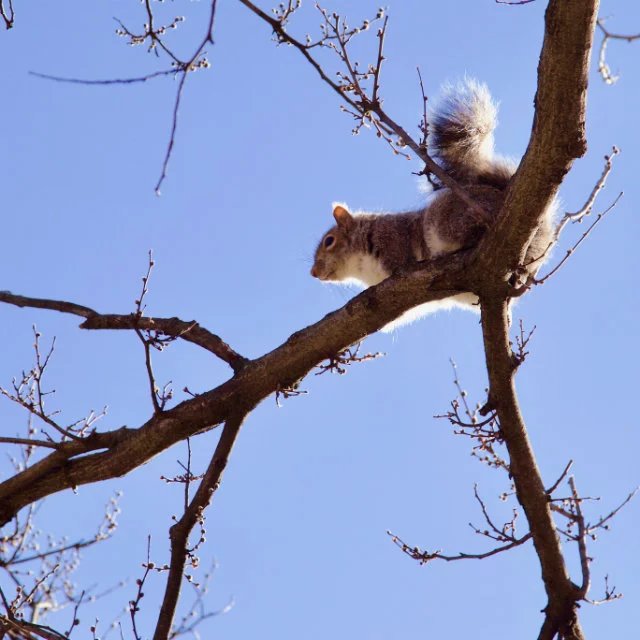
(563, 475)
(423, 125)
(505, 535)
(578, 529)
(462, 394)
(486, 433)
(156, 399)
(604, 69)
(287, 391)
(522, 341)
(197, 613)
(134, 605)
(184, 68)
(581, 540)
(105, 530)
(7, 13)
(50, 564)
(28, 392)
(578, 216)
(426, 556)
(601, 523)
(111, 81)
(74, 617)
(582, 238)
(587, 207)
(378, 68)
(609, 594)
(180, 67)
(339, 363)
(188, 476)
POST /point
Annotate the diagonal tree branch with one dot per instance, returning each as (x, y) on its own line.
(112, 454)
(364, 104)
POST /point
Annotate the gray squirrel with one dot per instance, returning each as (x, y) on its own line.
(369, 247)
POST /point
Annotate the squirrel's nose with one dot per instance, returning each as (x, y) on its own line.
(314, 271)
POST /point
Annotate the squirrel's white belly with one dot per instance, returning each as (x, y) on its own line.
(366, 269)
(462, 300)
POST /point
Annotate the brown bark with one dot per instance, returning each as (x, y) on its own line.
(106, 456)
(531, 493)
(180, 531)
(557, 138)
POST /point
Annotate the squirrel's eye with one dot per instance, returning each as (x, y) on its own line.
(328, 241)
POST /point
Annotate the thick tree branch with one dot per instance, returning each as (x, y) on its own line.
(562, 594)
(557, 138)
(108, 455)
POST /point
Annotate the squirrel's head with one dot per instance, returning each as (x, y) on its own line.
(331, 261)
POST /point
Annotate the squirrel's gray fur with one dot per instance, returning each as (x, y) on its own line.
(369, 247)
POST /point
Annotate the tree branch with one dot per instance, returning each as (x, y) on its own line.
(180, 531)
(560, 615)
(112, 454)
(603, 67)
(366, 105)
(189, 331)
(7, 13)
(557, 137)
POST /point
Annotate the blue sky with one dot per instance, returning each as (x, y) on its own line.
(298, 527)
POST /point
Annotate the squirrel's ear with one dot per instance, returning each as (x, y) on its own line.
(342, 216)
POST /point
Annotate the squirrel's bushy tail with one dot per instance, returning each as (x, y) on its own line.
(461, 135)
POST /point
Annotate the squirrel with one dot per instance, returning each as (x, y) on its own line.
(368, 247)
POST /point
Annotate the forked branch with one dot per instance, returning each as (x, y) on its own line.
(603, 67)
(154, 36)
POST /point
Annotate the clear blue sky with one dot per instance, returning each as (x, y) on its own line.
(298, 527)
